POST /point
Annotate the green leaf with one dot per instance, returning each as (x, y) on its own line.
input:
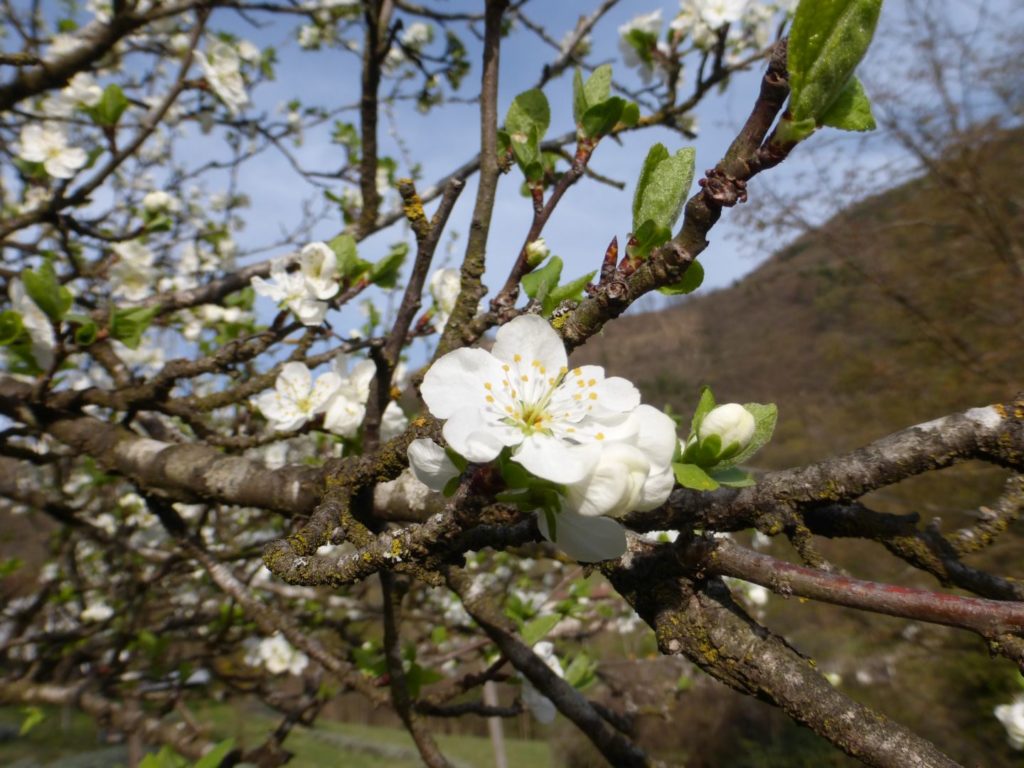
(733, 477)
(827, 41)
(529, 110)
(417, 676)
(526, 148)
(573, 291)
(46, 291)
(599, 85)
(349, 264)
(692, 476)
(851, 111)
(33, 717)
(110, 107)
(601, 118)
(704, 406)
(765, 417)
(663, 185)
(692, 279)
(534, 631)
(10, 327)
(581, 672)
(579, 96)
(215, 756)
(128, 325)
(385, 272)
(540, 282)
(630, 114)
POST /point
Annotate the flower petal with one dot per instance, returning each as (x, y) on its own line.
(533, 339)
(473, 438)
(655, 436)
(554, 460)
(456, 382)
(586, 539)
(295, 381)
(430, 464)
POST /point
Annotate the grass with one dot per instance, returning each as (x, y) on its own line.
(328, 744)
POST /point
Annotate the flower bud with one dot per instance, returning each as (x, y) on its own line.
(732, 424)
(536, 252)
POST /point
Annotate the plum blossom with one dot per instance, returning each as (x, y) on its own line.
(290, 290)
(133, 275)
(1012, 717)
(540, 706)
(318, 265)
(649, 26)
(276, 654)
(159, 201)
(97, 612)
(35, 322)
(430, 464)
(296, 398)
(48, 144)
(347, 408)
(732, 423)
(716, 13)
(220, 64)
(445, 285)
(522, 395)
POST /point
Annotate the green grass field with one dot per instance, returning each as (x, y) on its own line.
(73, 741)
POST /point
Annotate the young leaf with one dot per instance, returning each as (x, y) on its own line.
(529, 109)
(33, 717)
(349, 264)
(601, 118)
(691, 281)
(128, 325)
(46, 291)
(581, 672)
(599, 85)
(10, 327)
(579, 96)
(110, 107)
(663, 187)
(692, 476)
(851, 111)
(215, 756)
(535, 630)
(704, 406)
(732, 477)
(826, 43)
(573, 290)
(386, 271)
(540, 282)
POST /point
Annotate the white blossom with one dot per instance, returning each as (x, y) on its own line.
(430, 464)
(159, 201)
(276, 654)
(319, 267)
(445, 285)
(97, 612)
(220, 64)
(345, 412)
(523, 396)
(1012, 717)
(648, 24)
(732, 423)
(48, 144)
(296, 398)
(133, 276)
(540, 706)
(291, 290)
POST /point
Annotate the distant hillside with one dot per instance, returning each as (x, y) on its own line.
(900, 309)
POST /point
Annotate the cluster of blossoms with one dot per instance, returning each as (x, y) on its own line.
(585, 434)
(307, 291)
(221, 65)
(276, 654)
(47, 144)
(1012, 717)
(338, 394)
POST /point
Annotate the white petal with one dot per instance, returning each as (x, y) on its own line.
(532, 338)
(555, 460)
(456, 381)
(430, 464)
(473, 438)
(393, 422)
(294, 381)
(615, 484)
(617, 394)
(344, 415)
(586, 539)
(323, 389)
(656, 490)
(540, 706)
(655, 436)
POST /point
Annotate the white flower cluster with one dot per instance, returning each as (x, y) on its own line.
(307, 291)
(47, 144)
(221, 65)
(276, 654)
(751, 22)
(1012, 717)
(338, 394)
(585, 433)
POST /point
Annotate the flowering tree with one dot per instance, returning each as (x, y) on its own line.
(243, 494)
